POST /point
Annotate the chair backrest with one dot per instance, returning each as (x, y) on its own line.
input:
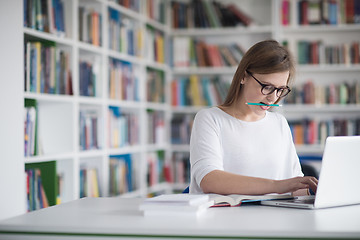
(186, 190)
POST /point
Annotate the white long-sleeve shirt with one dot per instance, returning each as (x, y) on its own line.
(262, 148)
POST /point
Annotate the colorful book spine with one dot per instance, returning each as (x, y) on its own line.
(47, 69)
(123, 128)
(89, 182)
(90, 25)
(208, 14)
(89, 130)
(156, 127)
(155, 168)
(313, 131)
(197, 53)
(46, 16)
(155, 82)
(41, 187)
(122, 174)
(310, 93)
(123, 81)
(195, 91)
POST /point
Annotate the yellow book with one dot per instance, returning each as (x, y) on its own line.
(160, 48)
(196, 91)
(38, 66)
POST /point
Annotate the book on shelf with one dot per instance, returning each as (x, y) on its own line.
(121, 174)
(197, 53)
(30, 128)
(47, 68)
(45, 15)
(207, 14)
(89, 130)
(41, 184)
(123, 81)
(314, 131)
(89, 75)
(155, 45)
(234, 200)
(176, 205)
(317, 52)
(155, 167)
(155, 82)
(90, 25)
(123, 128)
(89, 182)
(156, 127)
(195, 91)
(323, 12)
(342, 93)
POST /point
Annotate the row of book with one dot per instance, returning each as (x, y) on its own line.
(90, 26)
(189, 52)
(89, 130)
(122, 175)
(154, 45)
(123, 128)
(316, 131)
(196, 91)
(155, 168)
(88, 77)
(123, 82)
(180, 128)
(130, 4)
(45, 15)
(207, 14)
(317, 52)
(41, 185)
(155, 9)
(89, 182)
(155, 85)
(156, 127)
(310, 93)
(36, 197)
(180, 167)
(47, 69)
(30, 128)
(124, 34)
(322, 12)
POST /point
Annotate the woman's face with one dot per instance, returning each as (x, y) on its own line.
(252, 90)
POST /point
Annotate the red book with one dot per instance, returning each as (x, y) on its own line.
(244, 18)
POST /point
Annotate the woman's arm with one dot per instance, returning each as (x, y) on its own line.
(222, 182)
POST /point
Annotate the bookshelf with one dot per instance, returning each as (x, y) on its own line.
(98, 78)
(278, 19)
(131, 48)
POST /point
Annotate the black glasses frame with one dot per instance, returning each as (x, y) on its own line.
(263, 86)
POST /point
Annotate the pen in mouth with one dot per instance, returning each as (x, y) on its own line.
(263, 104)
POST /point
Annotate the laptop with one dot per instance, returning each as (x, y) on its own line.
(338, 180)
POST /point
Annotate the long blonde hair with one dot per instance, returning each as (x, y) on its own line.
(264, 57)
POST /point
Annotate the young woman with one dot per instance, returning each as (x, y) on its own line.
(239, 148)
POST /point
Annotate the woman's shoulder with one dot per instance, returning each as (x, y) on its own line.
(275, 116)
(210, 113)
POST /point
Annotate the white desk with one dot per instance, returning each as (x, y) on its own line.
(103, 218)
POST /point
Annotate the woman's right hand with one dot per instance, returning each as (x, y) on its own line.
(296, 183)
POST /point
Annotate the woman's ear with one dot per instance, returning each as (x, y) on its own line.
(242, 81)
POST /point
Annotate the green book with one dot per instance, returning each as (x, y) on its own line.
(48, 178)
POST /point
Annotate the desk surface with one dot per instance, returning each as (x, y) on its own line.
(119, 217)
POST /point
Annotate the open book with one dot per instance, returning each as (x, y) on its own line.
(233, 200)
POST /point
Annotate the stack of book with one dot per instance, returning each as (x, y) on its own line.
(176, 205)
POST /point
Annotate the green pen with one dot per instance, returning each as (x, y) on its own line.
(263, 104)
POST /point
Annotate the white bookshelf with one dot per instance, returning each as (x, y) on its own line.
(268, 25)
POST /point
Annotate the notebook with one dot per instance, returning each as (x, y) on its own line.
(338, 180)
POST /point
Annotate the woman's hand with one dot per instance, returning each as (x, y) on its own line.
(296, 183)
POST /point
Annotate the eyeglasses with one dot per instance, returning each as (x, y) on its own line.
(269, 89)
